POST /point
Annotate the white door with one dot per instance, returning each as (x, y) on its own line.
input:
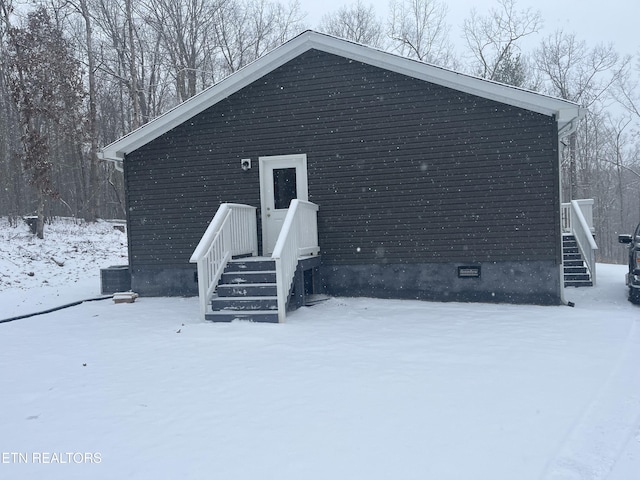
(282, 178)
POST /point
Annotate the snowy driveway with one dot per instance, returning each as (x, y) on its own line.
(348, 389)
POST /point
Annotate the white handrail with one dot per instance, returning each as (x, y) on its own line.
(233, 231)
(298, 237)
(586, 207)
(582, 232)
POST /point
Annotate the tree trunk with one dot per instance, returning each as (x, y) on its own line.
(135, 101)
(573, 174)
(40, 213)
(90, 212)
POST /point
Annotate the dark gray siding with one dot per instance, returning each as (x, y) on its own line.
(404, 172)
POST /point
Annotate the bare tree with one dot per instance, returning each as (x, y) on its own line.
(11, 181)
(288, 22)
(46, 86)
(618, 142)
(91, 190)
(356, 22)
(130, 65)
(418, 29)
(627, 88)
(133, 75)
(493, 41)
(246, 29)
(6, 10)
(574, 72)
(185, 28)
(272, 23)
(609, 172)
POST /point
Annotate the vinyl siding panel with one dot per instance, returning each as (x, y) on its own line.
(403, 171)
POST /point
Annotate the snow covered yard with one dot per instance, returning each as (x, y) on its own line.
(351, 388)
(67, 263)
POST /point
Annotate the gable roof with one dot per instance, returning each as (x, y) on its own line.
(566, 112)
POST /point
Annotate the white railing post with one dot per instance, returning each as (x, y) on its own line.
(233, 231)
(298, 237)
(565, 217)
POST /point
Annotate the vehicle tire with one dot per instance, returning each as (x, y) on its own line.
(634, 295)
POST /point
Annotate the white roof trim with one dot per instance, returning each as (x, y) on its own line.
(566, 112)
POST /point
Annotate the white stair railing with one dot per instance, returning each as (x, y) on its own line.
(298, 238)
(581, 230)
(565, 217)
(233, 231)
(586, 207)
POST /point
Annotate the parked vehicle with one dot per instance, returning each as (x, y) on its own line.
(633, 276)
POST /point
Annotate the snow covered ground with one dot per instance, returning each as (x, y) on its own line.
(347, 389)
(27, 263)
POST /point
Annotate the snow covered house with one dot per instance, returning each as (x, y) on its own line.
(355, 172)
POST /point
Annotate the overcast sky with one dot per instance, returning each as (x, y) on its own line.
(594, 21)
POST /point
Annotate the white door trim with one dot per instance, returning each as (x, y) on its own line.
(267, 164)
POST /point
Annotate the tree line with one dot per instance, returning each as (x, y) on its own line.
(78, 74)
